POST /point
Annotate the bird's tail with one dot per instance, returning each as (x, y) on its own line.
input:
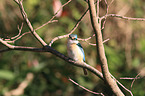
(85, 71)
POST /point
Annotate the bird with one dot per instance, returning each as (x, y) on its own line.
(75, 50)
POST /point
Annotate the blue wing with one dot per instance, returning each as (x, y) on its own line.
(80, 46)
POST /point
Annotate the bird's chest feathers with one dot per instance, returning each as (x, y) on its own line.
(75, 52)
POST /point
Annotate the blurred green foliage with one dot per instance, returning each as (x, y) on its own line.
(125, 49)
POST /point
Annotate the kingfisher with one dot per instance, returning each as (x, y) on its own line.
(75, 50)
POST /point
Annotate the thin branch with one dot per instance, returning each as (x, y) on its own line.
(50, 21)
(129, 78)
(135, 79)
(12, 41)
(107, 10)
(73, 29)
(115, 15)
(124, 88)
(108, 5)
(121, 85)
(122, 17)
(29, 24)
(96, 44)
(85, 88)
(86, 38)
(20, 36)
(20, 30)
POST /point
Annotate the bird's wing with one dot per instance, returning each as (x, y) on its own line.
(80, 46)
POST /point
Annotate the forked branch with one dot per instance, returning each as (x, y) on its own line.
(100, 49)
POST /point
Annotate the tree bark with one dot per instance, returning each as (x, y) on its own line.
(100, 48)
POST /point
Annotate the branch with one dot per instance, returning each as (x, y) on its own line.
(107, 10)
(85, 88)
(56, 53)
(50, 21)
(86, 40)
(129, 78)
(122, 17)
(54, 15)
(73, 29)
(28, 22)
(121, 85)
(100, 49)
(135, 79)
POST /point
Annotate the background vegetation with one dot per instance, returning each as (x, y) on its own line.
(125, 49)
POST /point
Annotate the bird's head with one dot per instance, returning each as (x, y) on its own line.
(73, 38)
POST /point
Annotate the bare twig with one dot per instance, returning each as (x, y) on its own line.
(20, 36)
(73, 29)
(122, 17)
(95, 44)
(51, 20)
(129, 78)
(12, 41)
(85, 88)
(124, 88)
(108, 5)
(121, 85)
(107, 10)
(29, 23)
(20, 30)
(56, 38)
(134, 79)
(86, 38)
